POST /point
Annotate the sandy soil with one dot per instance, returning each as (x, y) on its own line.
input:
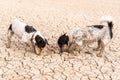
(52, 18)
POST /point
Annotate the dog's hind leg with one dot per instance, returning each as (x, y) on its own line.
(102, 46)
(99, 45)
(9, 35)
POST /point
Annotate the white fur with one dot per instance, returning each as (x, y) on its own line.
(18, 28)
(105, 19)
(77, 35)
(28, 36)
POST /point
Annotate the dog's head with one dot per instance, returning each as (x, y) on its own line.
(39, 42)
(63, 43)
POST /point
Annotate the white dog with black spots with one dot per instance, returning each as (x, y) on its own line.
(28, 35)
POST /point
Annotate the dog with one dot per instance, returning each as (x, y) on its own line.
(80, 38)
(27, 34)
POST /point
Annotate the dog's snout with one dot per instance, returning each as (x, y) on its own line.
(38, 50)
(64, 48)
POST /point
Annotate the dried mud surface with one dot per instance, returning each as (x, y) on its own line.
(52, 18)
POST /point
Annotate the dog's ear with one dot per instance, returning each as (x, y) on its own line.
(63, 39)
(46, 41)
(40, 41)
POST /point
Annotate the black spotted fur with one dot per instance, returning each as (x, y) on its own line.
(40, 42)
(64, 39)
(29, 29)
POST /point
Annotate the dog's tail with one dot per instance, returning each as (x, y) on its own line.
(109, 21)
(10, 27)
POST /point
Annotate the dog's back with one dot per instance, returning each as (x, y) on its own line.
(18, 27)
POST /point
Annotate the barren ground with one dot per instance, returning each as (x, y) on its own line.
(53, 17)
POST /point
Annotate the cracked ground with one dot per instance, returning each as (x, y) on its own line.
(52, 18)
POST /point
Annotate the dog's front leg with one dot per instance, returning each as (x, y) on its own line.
(74, 47)
(9, 35)
(99, 46)
(30, 44)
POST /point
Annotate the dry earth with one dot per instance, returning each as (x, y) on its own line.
(53, 17)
